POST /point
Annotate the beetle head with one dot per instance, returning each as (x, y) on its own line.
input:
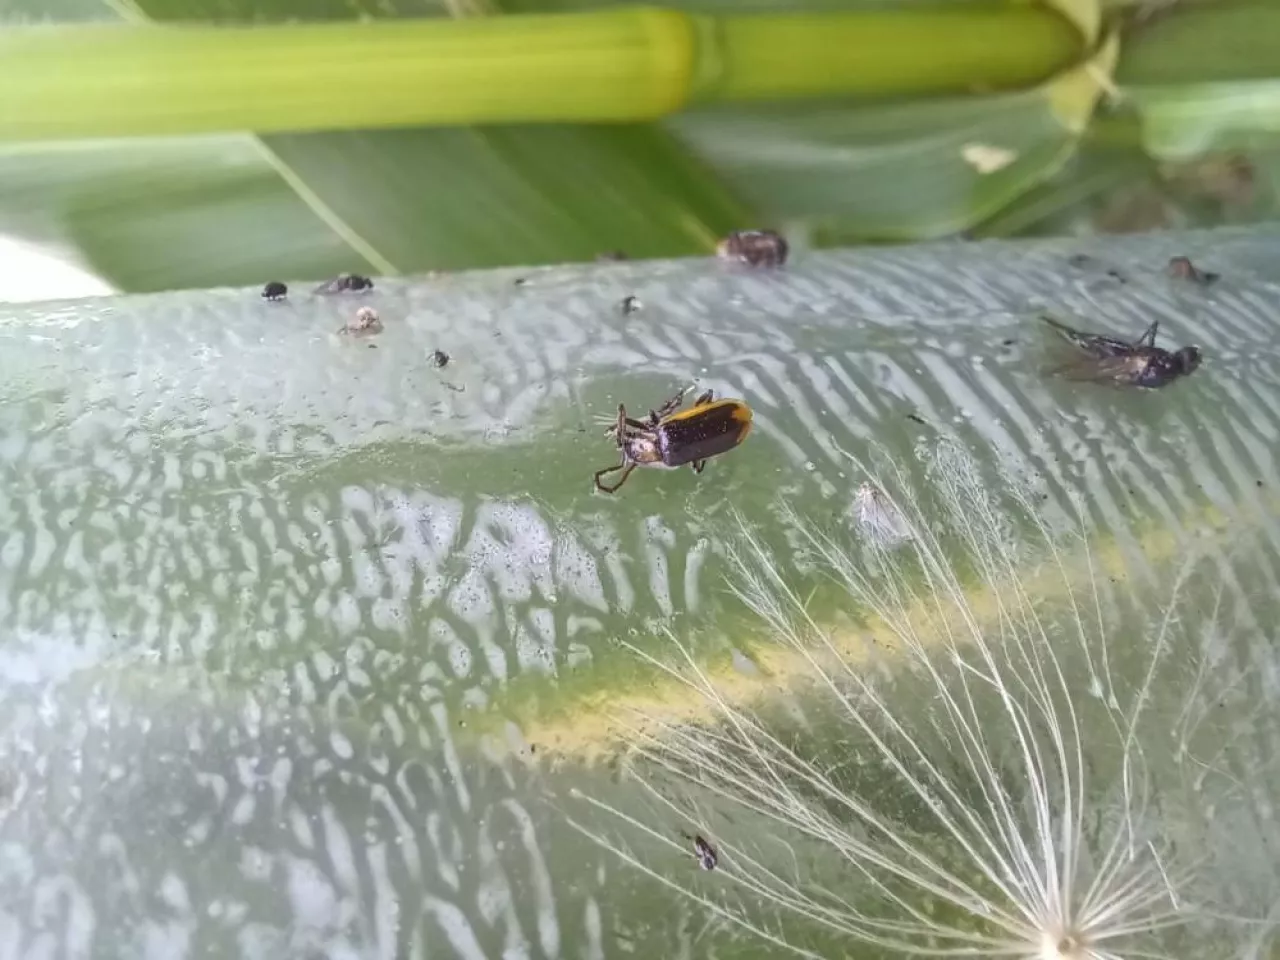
(1188, 358)
(643, 448)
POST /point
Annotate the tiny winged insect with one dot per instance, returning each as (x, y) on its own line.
(671, 437)
(880, 518)
(1140, 363)
(1181, 268)
(755, 248)
(705, 854)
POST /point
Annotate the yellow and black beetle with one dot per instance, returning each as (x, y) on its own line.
(671, 439)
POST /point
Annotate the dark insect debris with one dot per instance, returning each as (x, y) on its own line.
(611, 256)
(755, 248)
(440, 358)
(275, 291)
(345, 283)
(630, 304)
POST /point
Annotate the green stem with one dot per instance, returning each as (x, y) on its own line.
(891, 53)
(619, 65)
(1205, 43)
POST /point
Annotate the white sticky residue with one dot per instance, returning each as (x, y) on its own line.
(337, 844)
(314, 903)
(456, 928)
(593, 929)
(300, 826)
(440, 714)
(513, 544)
(658, 540)
(694, 560)
(543, 892)
(576, 572)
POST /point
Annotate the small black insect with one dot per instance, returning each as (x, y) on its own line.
(1107, 359)
(440, 358)
(1181, 268)
(275, 291)
(703, 851)
(755, 248)
(345, 283)
(630, 304)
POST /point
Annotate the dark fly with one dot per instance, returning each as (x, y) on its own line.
(1139, 363)
(705, 854)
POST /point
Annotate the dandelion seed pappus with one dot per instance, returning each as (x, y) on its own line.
(961, 795)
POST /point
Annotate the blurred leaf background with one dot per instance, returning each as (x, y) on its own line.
(1168, 117)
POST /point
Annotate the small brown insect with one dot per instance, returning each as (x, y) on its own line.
(755, 248)
(365, 323)
(1181, 268)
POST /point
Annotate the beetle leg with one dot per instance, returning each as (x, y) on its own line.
(619, 428)
(699, 465)
(626, 466)
(669, 407)
(705, 398)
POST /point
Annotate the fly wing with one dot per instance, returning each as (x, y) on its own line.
(1097, 344)
(1071, 335)
(1122, 370)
